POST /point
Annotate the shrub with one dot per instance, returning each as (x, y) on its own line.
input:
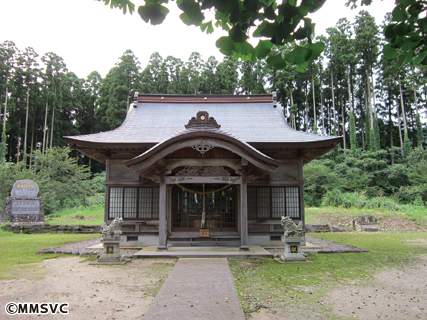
(62, 182)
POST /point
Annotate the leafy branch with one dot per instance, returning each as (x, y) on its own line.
(273, 23)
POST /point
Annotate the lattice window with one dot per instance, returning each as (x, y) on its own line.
(292, 202)
(134, 203)
(116, 203)
(149, 203)
(277, 202)
(273, 202)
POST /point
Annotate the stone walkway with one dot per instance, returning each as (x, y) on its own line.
(198, 288)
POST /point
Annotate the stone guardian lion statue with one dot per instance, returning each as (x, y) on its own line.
(291, 229)
(114, 230)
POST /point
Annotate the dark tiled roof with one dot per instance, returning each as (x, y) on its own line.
(254, 123)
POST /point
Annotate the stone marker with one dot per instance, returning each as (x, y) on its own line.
(111, 241)
(368, 223)
(292, 238)
(24, 189)
(23, 206)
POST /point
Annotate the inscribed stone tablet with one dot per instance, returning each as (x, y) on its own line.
(25, 207)
(25, 189)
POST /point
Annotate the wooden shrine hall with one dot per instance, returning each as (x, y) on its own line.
(203, 169)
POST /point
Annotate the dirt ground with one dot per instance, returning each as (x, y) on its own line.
(125, 292)
(395, 293)
(93, 292)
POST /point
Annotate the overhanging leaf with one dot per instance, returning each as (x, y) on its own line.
(390, 52)
(244, 48)
(207, 27)
(317, 49)
(401, 29)
(237, 35)
(299, 55)
(276, 62)
(225, 45)
(263, 48)
(155, 13)
(399, 14)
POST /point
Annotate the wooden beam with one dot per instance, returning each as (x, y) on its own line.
(175, 163)
(223, 180)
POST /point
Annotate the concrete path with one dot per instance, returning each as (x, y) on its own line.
(198, 288)
(254, 252)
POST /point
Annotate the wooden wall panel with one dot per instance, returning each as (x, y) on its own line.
(118, 171)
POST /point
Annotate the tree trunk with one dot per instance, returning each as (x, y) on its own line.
(400, 129)
(53, 117)
(415, 95)
(350, 101)
(32, 141)
(333, 95)
(5, 104)
(306, 107)
(323, 111)
(368, 100)
(390, 120)
(26, 126)
(405, 127)
(45, 127)
(343, 123)
(314, 101)
(372, 93)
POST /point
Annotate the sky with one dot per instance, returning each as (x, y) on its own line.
(90, 36)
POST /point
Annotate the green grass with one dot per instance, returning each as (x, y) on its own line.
(17, 252)
(267, 283)
(93, 215)
(338, 215)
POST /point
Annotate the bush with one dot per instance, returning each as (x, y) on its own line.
(62, 182)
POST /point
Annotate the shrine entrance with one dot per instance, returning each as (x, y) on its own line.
(210, 206)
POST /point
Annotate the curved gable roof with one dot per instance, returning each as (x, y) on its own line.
(155, 118)
(213, 137)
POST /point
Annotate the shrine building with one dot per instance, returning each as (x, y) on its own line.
(203, 169)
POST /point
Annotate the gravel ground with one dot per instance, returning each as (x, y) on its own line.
(321, 246)
(82, 248)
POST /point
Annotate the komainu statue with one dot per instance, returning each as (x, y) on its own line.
(291, 229)
(114, 230)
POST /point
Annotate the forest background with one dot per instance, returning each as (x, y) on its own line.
(351, 90)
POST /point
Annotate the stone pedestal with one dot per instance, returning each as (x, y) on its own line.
(111, 252)
(292, 249)
(22, 210)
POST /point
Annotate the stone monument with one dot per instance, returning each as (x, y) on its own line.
(292, 238)
(111, 241)
(23, 206)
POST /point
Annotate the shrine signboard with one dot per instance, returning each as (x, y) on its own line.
(25, 189)
(23, 206)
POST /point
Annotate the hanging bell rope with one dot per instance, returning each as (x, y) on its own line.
(203, 192)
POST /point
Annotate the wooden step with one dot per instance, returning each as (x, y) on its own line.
(213, 241)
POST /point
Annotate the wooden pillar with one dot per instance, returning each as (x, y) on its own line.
(301, 197)
(244, 214)
(107, 190)
(162, 214)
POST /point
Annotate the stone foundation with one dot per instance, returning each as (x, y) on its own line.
(7, 214)
(48, 228)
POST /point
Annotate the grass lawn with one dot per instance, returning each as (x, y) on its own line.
(17, 251)
(269, 284)
(93, 215)
(414, 218)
